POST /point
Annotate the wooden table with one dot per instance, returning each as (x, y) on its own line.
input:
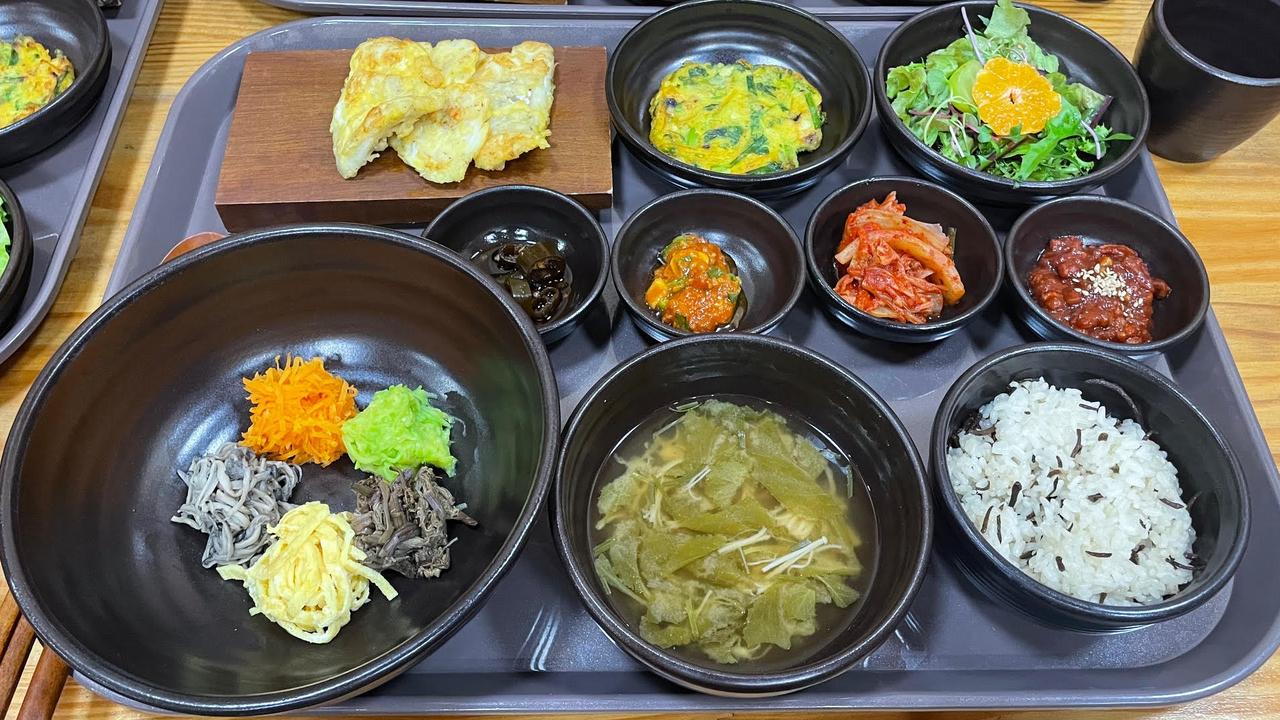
(1225, 207)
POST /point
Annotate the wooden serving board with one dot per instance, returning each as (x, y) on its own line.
(279, 164)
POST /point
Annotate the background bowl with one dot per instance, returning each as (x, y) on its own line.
(1207, 468)
(17, 274)
(856, 421)
(978, 258)
(726, 31)
(1085, 57)
(152, 379)
(77, 28)
(485, 218)
(757, 239)
(1166, 251)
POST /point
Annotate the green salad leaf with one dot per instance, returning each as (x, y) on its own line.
(934, 99)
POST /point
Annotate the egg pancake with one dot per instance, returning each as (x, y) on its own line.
(443, 107)
(30, 78)
(520, 88)
(391, 84)
(736, 118)
(440, 145)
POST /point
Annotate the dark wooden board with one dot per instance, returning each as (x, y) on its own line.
(279, 164)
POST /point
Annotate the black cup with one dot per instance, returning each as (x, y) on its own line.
(1212, 71)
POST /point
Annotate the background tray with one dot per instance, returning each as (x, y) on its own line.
(534, 649)
(56, 186)
(573, 8)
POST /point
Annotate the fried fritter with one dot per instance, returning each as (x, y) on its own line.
(443, 107)
(391, 84)
(521, 88)
(441, 144)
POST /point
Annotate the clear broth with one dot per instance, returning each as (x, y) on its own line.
(831, 620)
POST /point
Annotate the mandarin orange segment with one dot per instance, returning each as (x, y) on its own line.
(1012, 94)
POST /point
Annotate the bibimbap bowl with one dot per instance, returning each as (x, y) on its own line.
(88, 480)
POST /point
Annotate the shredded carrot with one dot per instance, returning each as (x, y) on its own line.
(298, 412)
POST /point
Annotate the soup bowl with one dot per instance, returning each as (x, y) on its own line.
(850, 417)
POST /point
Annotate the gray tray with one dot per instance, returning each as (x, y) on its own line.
(56, 186)
(614, 9)
(533, 648)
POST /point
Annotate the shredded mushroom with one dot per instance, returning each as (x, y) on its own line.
(234, 496)
(401, 525)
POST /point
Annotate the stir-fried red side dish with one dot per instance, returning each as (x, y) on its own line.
(894, 267)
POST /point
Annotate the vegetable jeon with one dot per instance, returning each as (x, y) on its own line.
(727, 531)
(30, 77)
(736, 118)
(995, 101)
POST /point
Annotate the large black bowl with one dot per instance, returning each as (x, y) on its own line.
(1167, 252)
(1085, 57)
(483, 219)
(17, 274)
(761, 244)
(831, 399)
(977, 254)
(152, 379)
(1207, 470)
(77, 28)
(725, 31)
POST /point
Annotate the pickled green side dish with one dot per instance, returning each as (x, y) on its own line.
(728, 532)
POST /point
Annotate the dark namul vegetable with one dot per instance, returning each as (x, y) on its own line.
(726, 532)
(400, 525)
(534, 273)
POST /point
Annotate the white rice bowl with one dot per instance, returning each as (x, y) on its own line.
(1098, 513)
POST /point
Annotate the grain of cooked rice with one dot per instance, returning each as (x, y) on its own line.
(1107, 521)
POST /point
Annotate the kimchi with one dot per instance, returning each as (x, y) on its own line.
(894, 267)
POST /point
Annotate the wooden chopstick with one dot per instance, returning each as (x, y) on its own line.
(16, 640)
(45, 688)
(14, 659)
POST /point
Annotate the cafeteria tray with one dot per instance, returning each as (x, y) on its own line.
(533, 648)
(56, 186)
(614, 9)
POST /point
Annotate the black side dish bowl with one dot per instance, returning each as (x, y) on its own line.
(152, 379)
(977, 255)
(1096, 219)
(726, 31)
(77, 28)
(834, 401)
(17, 274)
(485, 219)
(1207, 471)
(1085, 57)
(761, 244)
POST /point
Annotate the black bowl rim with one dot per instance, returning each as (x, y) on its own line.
(589, 219)
(829, 295)
(643, 314)
(641, 144)
(358, 678)
(1091, 179)
(1109, 615)
(84, 81)
(19, 239)
(1157, 15)
(699, 677)
(1180, 241)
